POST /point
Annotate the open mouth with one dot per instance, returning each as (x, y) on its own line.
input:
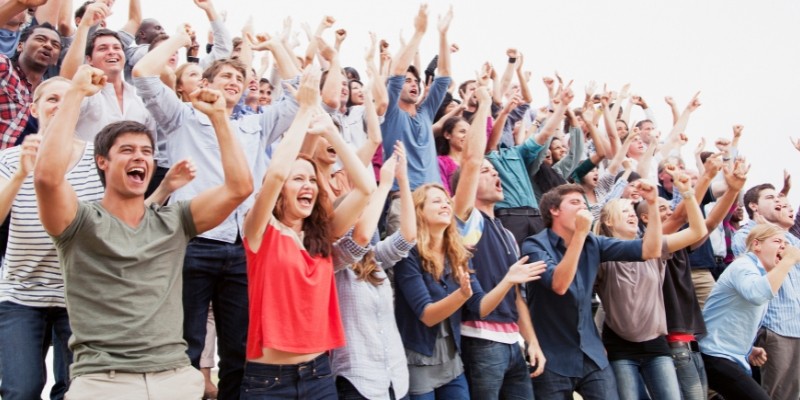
(137, 174)
(498, 186)
(305, 200)
(331, 151)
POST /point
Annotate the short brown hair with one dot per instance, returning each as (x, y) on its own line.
(215, 67)
(552, 200)
(107, 136)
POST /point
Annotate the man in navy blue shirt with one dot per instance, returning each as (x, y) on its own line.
(560, 303)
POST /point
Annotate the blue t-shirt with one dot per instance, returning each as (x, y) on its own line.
(415, 132)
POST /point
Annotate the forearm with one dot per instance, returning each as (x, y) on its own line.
(626, 113)
(564, 272)
(551, 125)
(360, 177)
(9, 9)
(134, 17)
(284, 60)
(57, 139)
(524, 321)
(159, 196)
(75, 54)
(403, 59)
(443, 63)
(720, 210)
(9, 192)
(408, 224)
(497, 131)
(365, 228)
(777, 275)
(491, 300)
(332, 89)
(434, 313)
(234, 163)
(652, 239)
(505, 82)
(374, 135)
(524, 89)
(152, 64)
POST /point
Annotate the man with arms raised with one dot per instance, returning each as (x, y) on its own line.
(122, 260)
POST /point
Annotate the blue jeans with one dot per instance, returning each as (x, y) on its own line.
(691, 373)
(309, 380)
(25, 337)
(216, 272)
(495, 370)
(595, 384)
(658, 374)
(454, 390)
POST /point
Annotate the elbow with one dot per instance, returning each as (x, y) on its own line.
(139, 71)
(559, 288)
(649, 254)
(360, 237)
(244, 188)
(45, 180)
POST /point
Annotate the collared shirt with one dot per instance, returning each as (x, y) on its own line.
(734, 310)
(374, 358)
(564, 323)
(511, 164)
(16, 96)
(190, 135)
(415, 132)
(102, 108)
(783, 311)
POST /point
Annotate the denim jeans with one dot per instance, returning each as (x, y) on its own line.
(658, 374)
(216, 272)
(691, 373)
(454, 390)
(495, 370)
(595, 384)
(347, 391)
(308, 380)
(25, 336)
(731, 380)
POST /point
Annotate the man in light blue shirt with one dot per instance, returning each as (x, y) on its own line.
(780, 333)
(215, 268)
(735, 308)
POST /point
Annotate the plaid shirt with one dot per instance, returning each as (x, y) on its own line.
(15, 100)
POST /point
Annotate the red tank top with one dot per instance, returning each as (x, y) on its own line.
(293, 301)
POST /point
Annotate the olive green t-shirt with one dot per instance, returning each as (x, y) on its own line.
(123, 288)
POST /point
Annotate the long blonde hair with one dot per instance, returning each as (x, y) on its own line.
(367, 269)
(454, 249)
(610, 215)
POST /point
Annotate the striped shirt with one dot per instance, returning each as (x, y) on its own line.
(783, 310)
(31, 273)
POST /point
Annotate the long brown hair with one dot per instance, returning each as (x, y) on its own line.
(367, 269)
(454, 249)
(316, 227)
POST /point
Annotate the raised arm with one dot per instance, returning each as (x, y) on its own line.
(332, 88)
(9, 188)
(508, 74)
(374, 136)
(379, 93)
(697, 227)
(283, 59)
(255, 223)
(180, 174)
(674, 140)
(10, 8)
(464, 198)
(58, 203)
(652, 239)
(75, 56)
(524, 89)
(673, 108)
(213, 205)
(564, 272)
(134, 17)
(153, 62)
(403, 59)
(347, 212)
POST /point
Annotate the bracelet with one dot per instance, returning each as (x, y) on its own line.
(512, 60)
(688, 193)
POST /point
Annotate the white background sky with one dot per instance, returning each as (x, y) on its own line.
(740, 54)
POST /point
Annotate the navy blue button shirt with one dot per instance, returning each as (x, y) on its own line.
(415, 290)
(564, 324)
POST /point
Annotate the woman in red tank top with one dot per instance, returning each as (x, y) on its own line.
(288, 237)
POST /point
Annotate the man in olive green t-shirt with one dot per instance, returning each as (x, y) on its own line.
(121, 259)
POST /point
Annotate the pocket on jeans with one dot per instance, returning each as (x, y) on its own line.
(259, 384)
(681, 357)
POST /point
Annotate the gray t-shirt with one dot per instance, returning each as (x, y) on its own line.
(123, 288)
(632, 296)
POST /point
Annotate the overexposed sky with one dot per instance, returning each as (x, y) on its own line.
(742, 55)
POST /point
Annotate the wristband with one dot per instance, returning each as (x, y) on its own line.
(687, 194)
(512, 60)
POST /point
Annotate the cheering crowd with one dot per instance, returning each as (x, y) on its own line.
(329, 233)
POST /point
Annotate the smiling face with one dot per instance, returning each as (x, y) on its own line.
(47, 99)
(557, 149)
(40, 50)
(356, 93)
(457, 136)
(299, 193)
(622, 220)
(264, 94)
(229, 81)
(324, 153)
(631, 192)
(107, 55)
(129, 164)
(437, 209)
